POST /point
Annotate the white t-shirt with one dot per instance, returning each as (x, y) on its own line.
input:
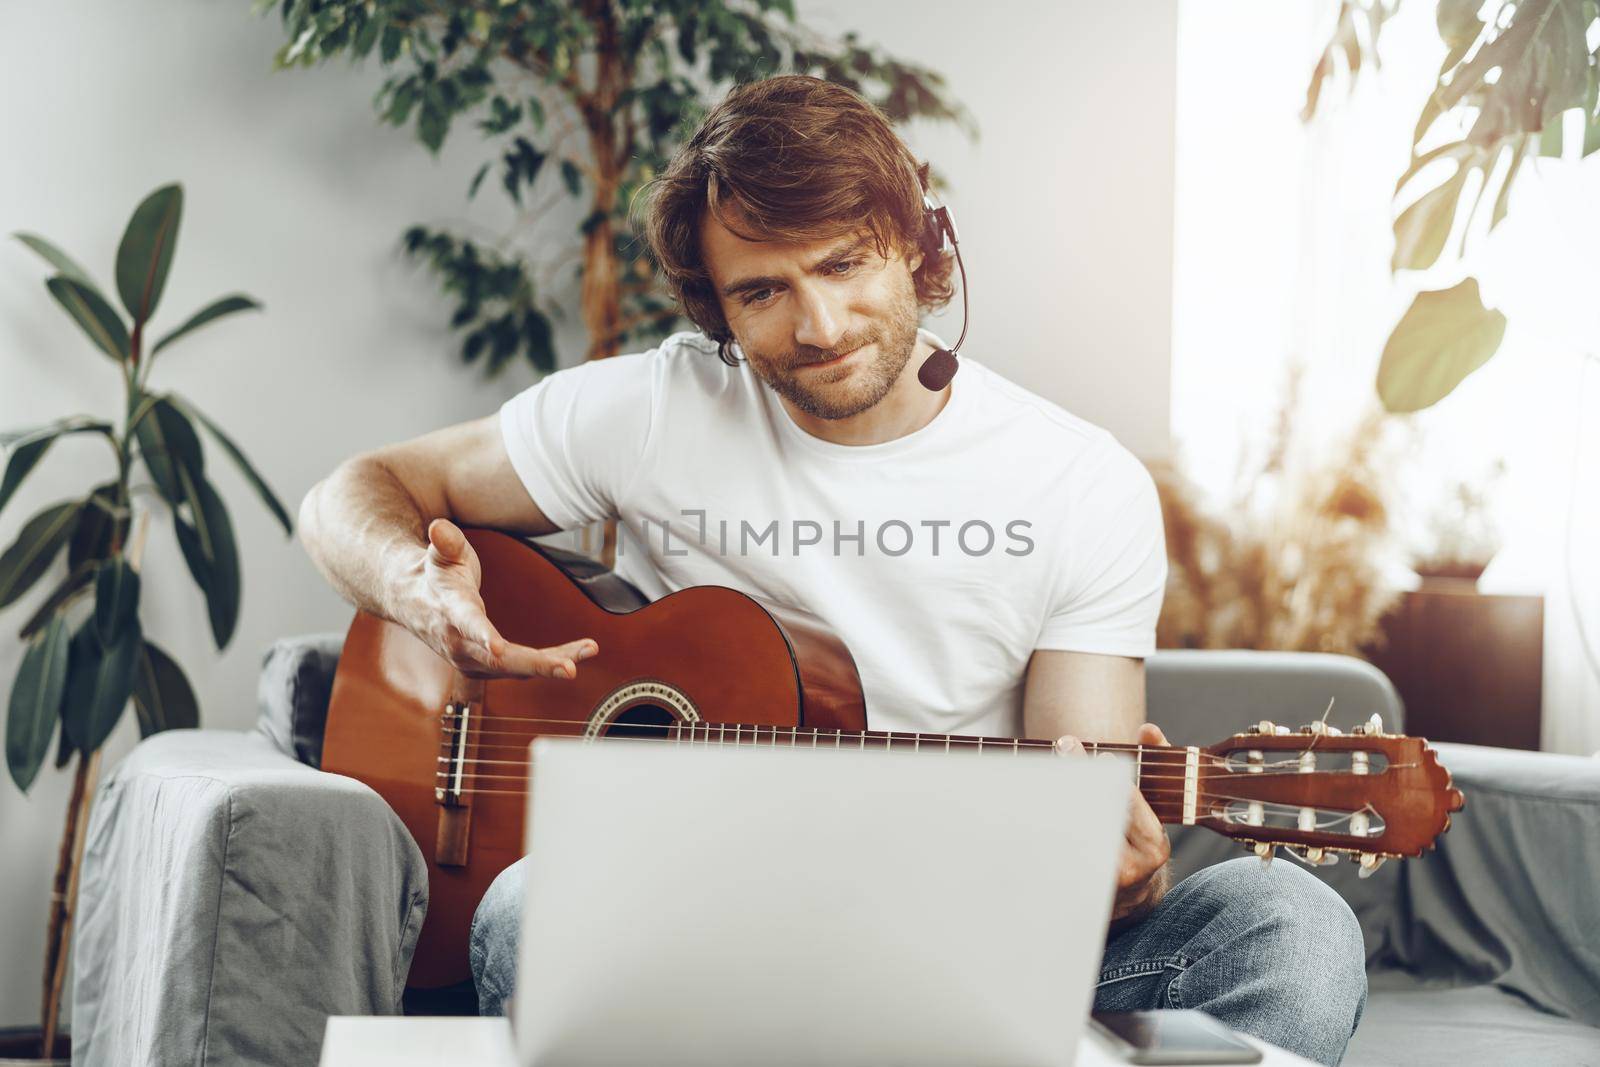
(942, 558)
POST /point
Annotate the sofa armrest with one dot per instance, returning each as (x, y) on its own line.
(293, 691)
(230, 900)
(1198, 697)
(1510, 895)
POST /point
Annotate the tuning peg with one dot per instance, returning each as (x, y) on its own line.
(1264, 850)
(1373, 727)
(1265, 726)
(1370, 862)
(1312, 857)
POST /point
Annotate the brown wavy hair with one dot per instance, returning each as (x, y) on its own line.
(791, 158)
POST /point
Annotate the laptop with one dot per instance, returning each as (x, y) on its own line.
(769, 907)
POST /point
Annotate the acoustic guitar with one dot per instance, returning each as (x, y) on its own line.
(710, 665)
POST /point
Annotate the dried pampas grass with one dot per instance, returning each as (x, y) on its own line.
(1299, 559)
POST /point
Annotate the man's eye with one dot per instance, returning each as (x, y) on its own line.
(758, 297)
(847, 265)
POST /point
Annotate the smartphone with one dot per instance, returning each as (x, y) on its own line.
(1159, 1037)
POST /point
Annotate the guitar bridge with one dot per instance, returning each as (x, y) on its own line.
(450, 791)
(453, 771)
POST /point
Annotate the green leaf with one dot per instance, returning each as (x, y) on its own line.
(146, 251)
(572, 176)
(1459, 151)
(1550, 138)
(116, 599)
(64, 749)
(101, 524)
(162, 696)
(433, 123)
(168, 443)
(57, 259)
(1423, 228)
(477, 180)
(367, 36)
(99, 683)
(212, 555)
(389, 45)
(90, 310)
(42, 537)
(78, 579)
(1458, 21)
(225, 306)
(29, 447)
(36, 702)
(1443, 337)
(251, 475)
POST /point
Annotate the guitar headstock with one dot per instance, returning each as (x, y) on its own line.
(1322, 793)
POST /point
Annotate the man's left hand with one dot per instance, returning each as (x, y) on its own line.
(1142, 877)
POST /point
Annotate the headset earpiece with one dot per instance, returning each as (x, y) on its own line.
(937, 226)
(935, 222)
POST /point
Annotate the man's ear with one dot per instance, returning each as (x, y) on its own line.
(914, 258)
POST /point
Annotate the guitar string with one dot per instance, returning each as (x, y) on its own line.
(846, 744)
(448, 763)
(484, 718)
(798, 735)
(1275, 769)
(1177, 799)
(701, 731)
(1153, 755)
(1179, 792)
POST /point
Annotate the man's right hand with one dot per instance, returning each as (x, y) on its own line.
(442, 605)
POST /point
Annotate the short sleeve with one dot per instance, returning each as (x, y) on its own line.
(1113, 568)
(577, 437)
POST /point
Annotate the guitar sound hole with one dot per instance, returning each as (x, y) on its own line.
(648, 721)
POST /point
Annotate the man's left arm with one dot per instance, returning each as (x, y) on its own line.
(1081, 696)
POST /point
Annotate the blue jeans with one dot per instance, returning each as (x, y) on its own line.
(1271, 952)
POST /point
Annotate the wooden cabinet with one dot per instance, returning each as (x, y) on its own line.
(1468, 665)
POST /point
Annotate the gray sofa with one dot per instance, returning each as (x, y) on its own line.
(233, 896)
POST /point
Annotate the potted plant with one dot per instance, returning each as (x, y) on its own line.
(87, 654)
(586, 99)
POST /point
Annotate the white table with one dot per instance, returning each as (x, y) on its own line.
(391, 1041)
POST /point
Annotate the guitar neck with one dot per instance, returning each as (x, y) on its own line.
(1168, 777)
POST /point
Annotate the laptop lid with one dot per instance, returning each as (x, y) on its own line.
(747, 906)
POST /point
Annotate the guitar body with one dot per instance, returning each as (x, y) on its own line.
(706, 654)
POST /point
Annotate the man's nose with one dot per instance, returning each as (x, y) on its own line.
(818, 324)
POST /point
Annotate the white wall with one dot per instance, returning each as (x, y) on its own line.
(297, 196)
(1065, 204)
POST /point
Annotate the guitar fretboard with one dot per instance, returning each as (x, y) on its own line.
(1167, 776)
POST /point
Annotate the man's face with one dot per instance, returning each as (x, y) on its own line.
(828, 324)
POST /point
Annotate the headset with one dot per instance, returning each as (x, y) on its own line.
(937, 225)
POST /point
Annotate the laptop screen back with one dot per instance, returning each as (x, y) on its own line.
(774, 906)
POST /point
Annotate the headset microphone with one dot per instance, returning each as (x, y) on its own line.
(937, 370)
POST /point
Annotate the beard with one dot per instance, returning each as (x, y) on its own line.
(842, 392)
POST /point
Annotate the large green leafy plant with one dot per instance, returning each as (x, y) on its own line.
(580, 98)
(1513, 72)
(87, 653)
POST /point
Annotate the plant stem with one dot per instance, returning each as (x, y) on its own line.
(63, 898)
(69, 862)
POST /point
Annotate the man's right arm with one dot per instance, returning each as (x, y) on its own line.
(384, 529)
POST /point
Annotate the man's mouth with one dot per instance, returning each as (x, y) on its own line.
(833, 361)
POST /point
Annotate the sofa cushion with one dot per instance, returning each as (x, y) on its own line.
(296, 682)
(1409, 1024)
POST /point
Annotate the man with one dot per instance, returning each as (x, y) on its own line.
(994, 563)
